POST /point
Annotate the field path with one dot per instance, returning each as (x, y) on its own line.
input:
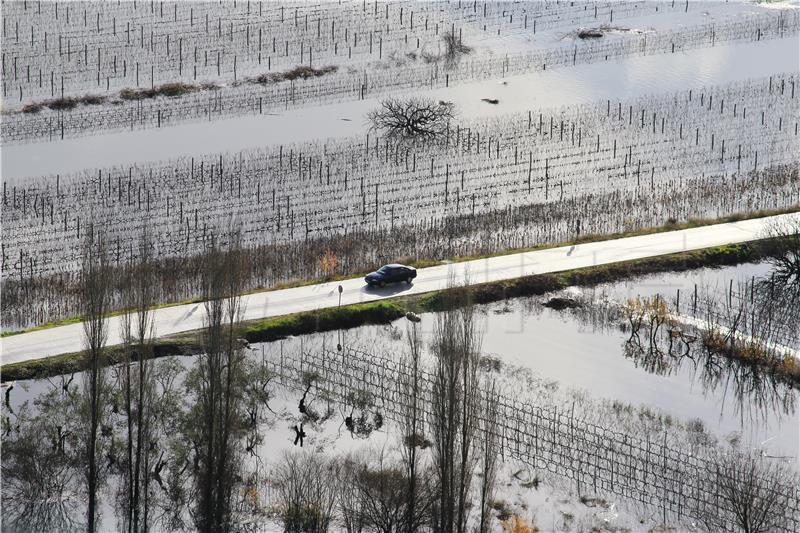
(181, 318)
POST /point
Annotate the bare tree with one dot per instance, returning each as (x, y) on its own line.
(374, 495)
(417, 118)
(787, 264)
(456, 346)
(382, 489)
(220, 385)
(753, 490)
(412, 427)
(307, 487)
(489, 448)
(782, 290)
(138, 298)
(349, 502)
(95, 302)
(42, 454)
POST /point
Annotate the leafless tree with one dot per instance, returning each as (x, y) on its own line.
(307, 487)
(95, 302)
(172, 423)
(382, 489)
(220, 385)
(787, 265)
(139, 298)
(782, 290)
(456, 346)
(410, 119)
(489, 448)
(42, 451)
(753, 489)
(374, 494)
(349, 502)
(413, 428)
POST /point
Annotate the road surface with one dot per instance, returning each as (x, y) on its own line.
(181, 318)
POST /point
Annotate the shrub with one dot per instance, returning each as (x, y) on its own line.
(136, 94)
(308, 72)
(517, 524)
(302, 517)
(175, 89)
(62, 103)
(417, 440)
(92, 99)
(295, 73)
(306, 490)
(33, 107)
(328, 263)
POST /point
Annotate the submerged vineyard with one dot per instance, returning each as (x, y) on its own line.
(242, 77)
(517, 181)
(200, 181)
(56, 49)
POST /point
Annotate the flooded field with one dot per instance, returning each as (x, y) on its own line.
(565, 358)
(345, 180)
(633, 77)
(563, 348)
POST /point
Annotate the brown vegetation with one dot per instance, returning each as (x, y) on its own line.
(328, 263)
(300, 72)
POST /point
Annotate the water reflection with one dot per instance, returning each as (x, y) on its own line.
(754, 393)
(752, 374)
(200, 464)
(42, 478)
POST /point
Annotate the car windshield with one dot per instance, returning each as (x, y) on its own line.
(384, 269)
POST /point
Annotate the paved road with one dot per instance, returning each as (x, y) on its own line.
(67, 339)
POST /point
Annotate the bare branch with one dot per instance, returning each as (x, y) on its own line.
(413, 118)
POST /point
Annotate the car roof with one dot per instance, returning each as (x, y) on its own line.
(395, 265)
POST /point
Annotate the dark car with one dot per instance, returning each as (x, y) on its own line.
(391, 274)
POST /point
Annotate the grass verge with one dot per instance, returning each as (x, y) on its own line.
(388, 310)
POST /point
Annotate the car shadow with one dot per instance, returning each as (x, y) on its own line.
(389, 290)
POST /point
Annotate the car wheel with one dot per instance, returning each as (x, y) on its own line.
(408, 280)
(382, 283)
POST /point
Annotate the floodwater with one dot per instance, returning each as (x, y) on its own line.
(559, 347)
(623, 78)
(556, 346)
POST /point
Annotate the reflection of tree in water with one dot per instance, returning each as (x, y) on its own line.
(753, 373)
(43, 459)
(778, 300)
(42, 486)
(660, 345)
(756, 392)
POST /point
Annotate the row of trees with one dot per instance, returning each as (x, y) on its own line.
(177, 455)
(191, 469)
(216, 383)
(431, 484)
